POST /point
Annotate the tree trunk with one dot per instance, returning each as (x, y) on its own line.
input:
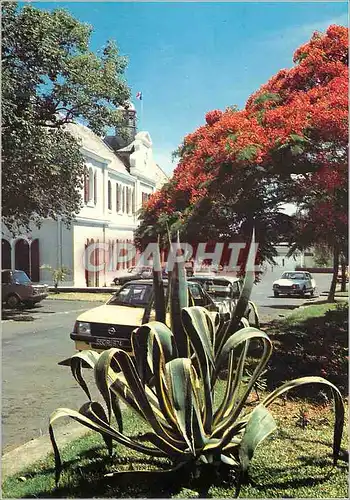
(331, 293)
(343, 275)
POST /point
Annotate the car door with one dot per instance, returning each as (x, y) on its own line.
(309, 285)
(313, 282)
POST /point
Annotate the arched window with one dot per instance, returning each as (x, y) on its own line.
(5, 254)
(22, 256)
(109, 195)
(95, 187)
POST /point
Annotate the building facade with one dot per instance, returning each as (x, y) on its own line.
(118, 182)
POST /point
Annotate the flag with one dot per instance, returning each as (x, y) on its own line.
(139, 96)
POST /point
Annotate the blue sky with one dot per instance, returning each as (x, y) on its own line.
(188, 58)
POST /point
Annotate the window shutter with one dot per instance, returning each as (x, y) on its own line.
(95, 188)
(86, 189)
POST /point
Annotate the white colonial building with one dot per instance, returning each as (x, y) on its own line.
(119, 181)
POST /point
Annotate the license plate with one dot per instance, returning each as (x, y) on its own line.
(109, 342)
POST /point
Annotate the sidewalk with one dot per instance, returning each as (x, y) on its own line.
(22, 457)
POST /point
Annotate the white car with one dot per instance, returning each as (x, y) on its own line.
(294, 283)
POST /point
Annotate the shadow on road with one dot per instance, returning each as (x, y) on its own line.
(282, 306)
(23, 313)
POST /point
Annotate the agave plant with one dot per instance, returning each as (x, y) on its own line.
(176, 396)
(171, 380)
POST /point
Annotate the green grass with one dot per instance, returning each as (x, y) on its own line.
(304, 313)
(312, 340)
(90, 297)
(293, 462)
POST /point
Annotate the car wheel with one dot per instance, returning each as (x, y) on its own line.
(312, 293)
(276, 294)
(12, 301)
(302, 293)
(29, 305)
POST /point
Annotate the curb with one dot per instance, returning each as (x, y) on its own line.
(20, 458)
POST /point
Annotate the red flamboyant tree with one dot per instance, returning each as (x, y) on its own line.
(289, 144)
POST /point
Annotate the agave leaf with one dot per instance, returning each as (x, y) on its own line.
(200, 437)
(158, 288)
(178, 300)
(199, 327)
(256, 314)
(226, 426)
(157, 363)
(76, 363)
(260, 425)
(180, 387)
(243, 300)
(338, 405)
(228, 460)
(95, 412)
(200, 331)
(102, 373)
(233, 384)
(140, 345)
(98, 426)
(148, 309)
(149, 412)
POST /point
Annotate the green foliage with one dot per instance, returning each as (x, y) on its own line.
(322, 256)
(267, 96)
(247, 153)
(59, 275)
(51, 78)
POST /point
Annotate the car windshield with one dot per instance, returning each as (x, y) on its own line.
(217, 287)
(139, 295)
(133, 295)
(20, 277)
(294, 276)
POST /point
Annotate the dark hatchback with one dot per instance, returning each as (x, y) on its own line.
(17, 289)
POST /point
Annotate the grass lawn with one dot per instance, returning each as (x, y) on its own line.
(91, 297)
(294, 462)
(312, 340)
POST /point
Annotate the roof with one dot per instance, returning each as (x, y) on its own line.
(95, 144)
(230, 279)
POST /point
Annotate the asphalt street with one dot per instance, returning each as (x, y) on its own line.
(34, 384)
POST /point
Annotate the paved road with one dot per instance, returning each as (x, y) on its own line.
(271, 307)
(34, 385)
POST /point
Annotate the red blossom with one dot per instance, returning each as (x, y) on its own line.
(213, 116)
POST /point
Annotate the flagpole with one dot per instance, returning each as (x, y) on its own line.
(141, 113)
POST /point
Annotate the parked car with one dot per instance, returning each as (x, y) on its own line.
(294, 283)
(134, 273)
(17, 289)
(111, 325)
(188, 269)
(219, 287)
